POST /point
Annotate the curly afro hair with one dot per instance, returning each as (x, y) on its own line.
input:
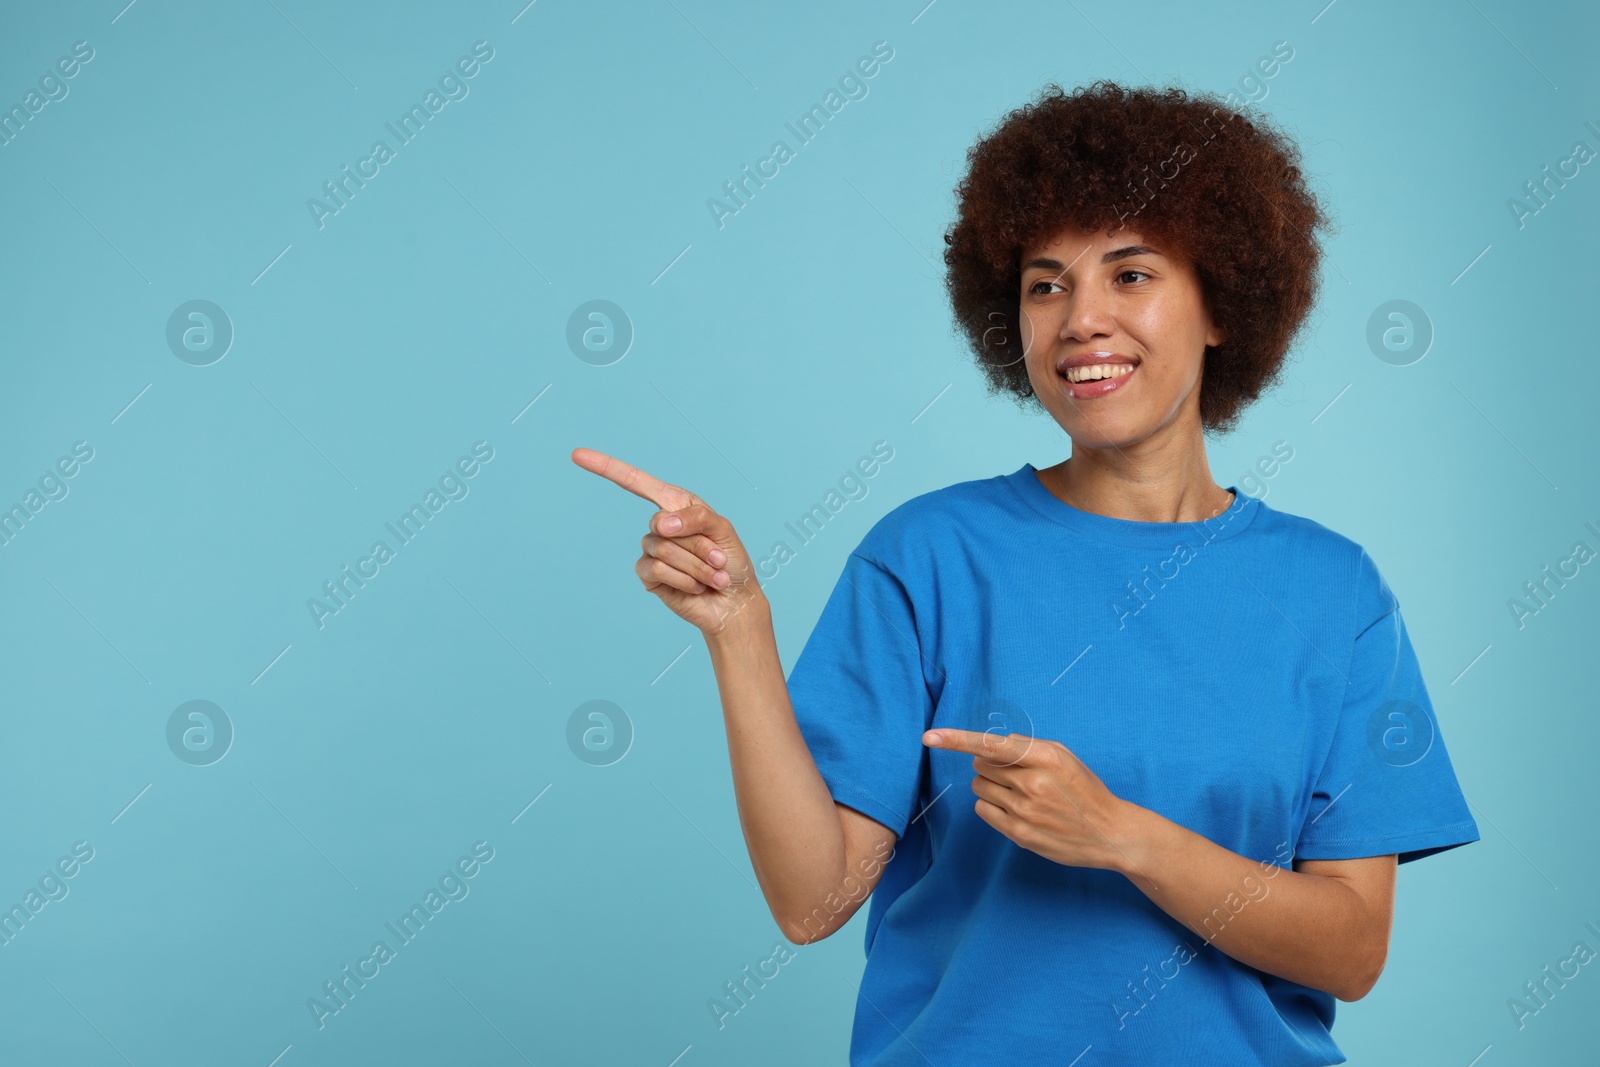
(1185, 169)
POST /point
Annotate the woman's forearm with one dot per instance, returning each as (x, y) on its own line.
(791, 826)
(1307, 928)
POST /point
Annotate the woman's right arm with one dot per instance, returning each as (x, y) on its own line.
(816, 861)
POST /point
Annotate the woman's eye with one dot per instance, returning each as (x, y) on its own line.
(1034, 288)
(1140, 273)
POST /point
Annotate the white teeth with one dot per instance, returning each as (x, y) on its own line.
(1099, 370)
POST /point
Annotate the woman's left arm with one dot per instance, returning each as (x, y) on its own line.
(1325, 925)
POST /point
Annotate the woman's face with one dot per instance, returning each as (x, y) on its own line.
(1114, 331)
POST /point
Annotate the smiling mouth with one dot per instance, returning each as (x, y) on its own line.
(1094, 380)
(1094, 373)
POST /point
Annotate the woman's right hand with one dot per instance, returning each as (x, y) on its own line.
(699, 568)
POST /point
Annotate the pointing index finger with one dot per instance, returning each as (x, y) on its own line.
(662, 494)
(997, 748)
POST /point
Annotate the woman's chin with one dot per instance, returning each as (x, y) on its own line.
(1103, 433)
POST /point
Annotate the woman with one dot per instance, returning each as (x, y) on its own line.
(1196, 730)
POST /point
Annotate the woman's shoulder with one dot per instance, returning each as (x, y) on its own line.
(905, 533)
(1303, 532)
(1311, 544)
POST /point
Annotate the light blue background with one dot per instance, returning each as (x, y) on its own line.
(426, 316)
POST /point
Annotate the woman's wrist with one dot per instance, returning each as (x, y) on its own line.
(1137, 837)
(747, 616)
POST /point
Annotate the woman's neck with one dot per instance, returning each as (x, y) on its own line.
(1155, 481)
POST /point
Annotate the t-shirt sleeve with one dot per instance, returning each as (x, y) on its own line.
(1387, 785)
(860, 696)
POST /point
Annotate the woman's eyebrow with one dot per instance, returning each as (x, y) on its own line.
(1046, 263)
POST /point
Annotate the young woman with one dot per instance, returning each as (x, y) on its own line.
(1125, 759)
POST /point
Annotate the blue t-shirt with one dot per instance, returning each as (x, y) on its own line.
(1248, 677)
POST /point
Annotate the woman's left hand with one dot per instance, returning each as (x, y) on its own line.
(1040, 795)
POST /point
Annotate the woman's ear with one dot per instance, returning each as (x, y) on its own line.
(1215, 333)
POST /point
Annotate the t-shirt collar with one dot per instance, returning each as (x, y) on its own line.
(1232, 520)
